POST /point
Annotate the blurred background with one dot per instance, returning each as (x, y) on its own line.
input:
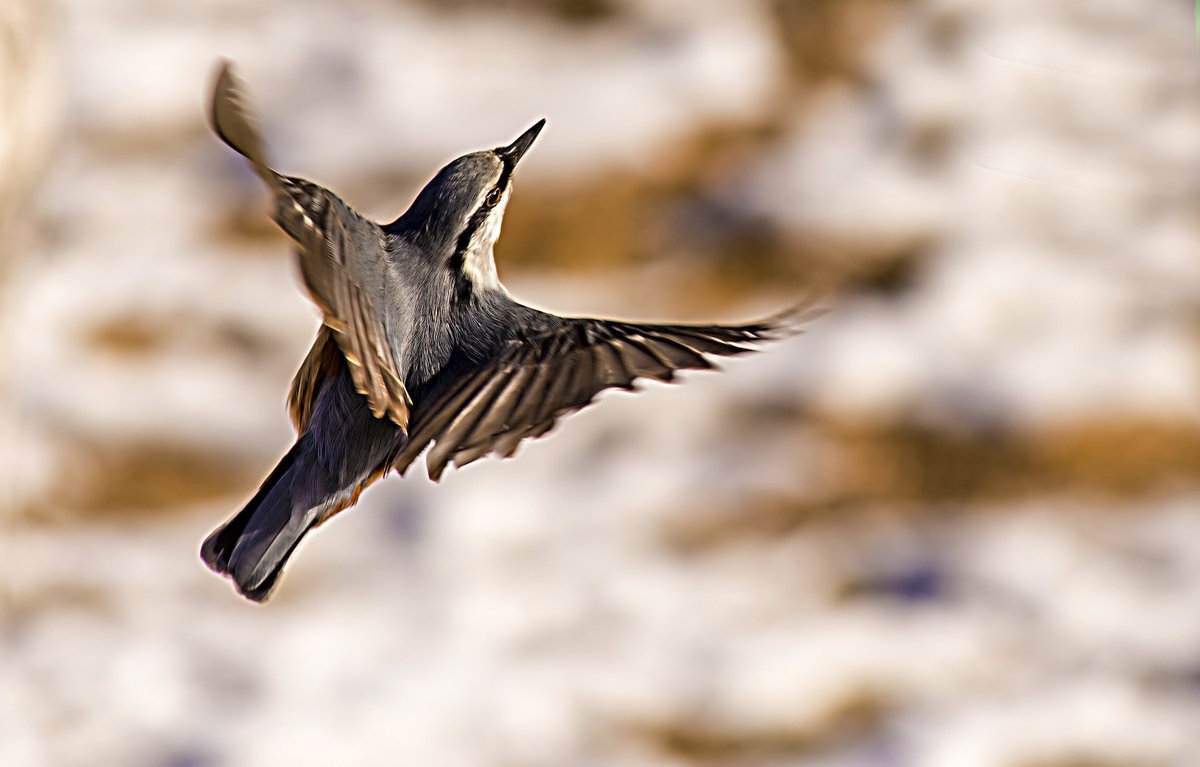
(956, 523)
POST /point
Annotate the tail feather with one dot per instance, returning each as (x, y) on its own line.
(269, 538)
(344, 449)
(218, 547)
(253, 546)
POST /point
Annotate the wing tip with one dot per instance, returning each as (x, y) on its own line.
(435, 468)
(791, 320)
(230, 119)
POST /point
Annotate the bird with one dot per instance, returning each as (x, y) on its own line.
(421, 348)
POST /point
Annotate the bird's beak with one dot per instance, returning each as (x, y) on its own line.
(512, 153)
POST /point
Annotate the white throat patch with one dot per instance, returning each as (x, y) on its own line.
(479, 262)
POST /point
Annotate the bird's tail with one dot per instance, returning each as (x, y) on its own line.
(343, 450)
(253, 546)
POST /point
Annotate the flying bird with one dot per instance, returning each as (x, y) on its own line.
(421, 347)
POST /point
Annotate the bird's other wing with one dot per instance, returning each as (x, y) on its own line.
(341, 257)
(538, 378)
(324, 361)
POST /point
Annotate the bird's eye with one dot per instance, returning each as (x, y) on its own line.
(493, 198)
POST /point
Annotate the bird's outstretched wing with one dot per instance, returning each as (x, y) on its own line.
(341, 257)
(538, 378)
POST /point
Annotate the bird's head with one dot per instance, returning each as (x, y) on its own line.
(457, 216)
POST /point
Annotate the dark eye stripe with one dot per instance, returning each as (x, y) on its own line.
(505, 171)
(464, 238)
(479, 216)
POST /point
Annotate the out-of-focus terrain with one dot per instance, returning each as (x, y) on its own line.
(956, 523)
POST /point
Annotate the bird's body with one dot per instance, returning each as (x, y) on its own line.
(421, 347)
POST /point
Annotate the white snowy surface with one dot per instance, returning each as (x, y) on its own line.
(532, 630)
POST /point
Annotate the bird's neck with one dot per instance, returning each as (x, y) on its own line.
(478, 259)
(479, 267)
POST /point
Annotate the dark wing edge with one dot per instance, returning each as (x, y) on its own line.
(324, 229)
(534, 381)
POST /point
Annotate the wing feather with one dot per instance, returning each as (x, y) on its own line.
(533, 381)
(458, 431)
(341, 256)
(681, 355)
(324, 361)
(639, 361)
(499, 416)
